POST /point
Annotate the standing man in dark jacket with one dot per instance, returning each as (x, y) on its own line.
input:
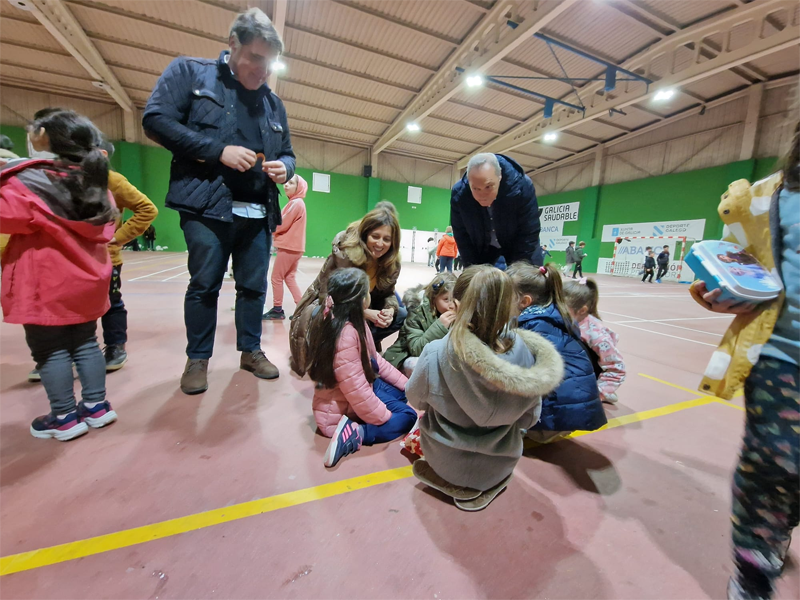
(494, 213)
(229, 137)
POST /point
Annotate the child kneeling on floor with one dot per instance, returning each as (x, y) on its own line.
(575, 403)
(480, 386)
(360, 398)
(582, 297)
(56, 268)
(429, 319)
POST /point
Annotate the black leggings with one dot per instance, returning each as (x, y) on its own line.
(646, 273)
(577, 268)
(661, 272)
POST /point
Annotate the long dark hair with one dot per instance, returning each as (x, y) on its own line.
(577, 295)
(542, 284)
(347, 288)
(80, 168)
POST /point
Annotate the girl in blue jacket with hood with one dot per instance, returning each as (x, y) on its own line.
(575, 404)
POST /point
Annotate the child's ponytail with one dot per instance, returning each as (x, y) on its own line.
(582, 292)
(542, 284)
(554, 288)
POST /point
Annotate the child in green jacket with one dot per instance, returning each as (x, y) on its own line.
(430, 313)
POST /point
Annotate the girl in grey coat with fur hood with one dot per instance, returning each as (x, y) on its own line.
(481, 388)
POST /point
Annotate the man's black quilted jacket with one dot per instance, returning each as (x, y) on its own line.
(191, 114)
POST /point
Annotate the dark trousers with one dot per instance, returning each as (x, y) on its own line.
(662, 270)
(445, 262)
(648, 273)
(150, 244)
(55, 348)
(115, 321)
(578, 268)
(766, 485)
(211, 243)
(402, 419)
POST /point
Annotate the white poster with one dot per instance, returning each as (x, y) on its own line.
(553, 217)
(414, 244)
(559, 243)
(414, 194)
(692, 229)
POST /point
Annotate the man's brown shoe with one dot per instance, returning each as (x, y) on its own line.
(195, 376)
(258, 364)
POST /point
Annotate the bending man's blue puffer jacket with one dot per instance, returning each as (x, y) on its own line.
(575, 404)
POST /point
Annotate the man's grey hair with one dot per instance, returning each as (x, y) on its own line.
(252, 25)
(485, 158)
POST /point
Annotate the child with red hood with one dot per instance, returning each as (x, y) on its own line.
(56, 267)
(290, 240)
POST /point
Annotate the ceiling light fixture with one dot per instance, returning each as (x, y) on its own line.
(550, 137)
(278, 66)
(412, 127)
(474, 81)
(664, 95)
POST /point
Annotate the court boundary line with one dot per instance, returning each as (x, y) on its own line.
(42, 557)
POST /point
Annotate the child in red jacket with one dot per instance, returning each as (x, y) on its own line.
(360, 398)
(56, 268)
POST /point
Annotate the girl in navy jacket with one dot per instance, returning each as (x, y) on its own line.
(575, 404)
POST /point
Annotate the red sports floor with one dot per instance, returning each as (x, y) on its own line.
(224, 495)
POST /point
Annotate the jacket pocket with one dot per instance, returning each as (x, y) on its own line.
(207, 109)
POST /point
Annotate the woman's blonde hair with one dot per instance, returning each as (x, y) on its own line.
(484, 310)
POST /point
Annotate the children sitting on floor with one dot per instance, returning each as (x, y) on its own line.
(480, 386)
(581, 297)
(360, 398)
(575, 403)
(429, 318)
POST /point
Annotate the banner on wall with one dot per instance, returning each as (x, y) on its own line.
(553, 217)
(559, 243)
(414, 244)
(693, 229)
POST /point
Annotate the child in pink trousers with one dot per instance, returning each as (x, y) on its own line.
(290, 240)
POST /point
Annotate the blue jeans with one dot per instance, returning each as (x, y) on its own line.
(55, 348)
(211, 243)
(445, 262)
(402, 419)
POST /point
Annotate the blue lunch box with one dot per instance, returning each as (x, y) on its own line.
(727, 266)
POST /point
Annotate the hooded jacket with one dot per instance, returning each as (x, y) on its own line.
(575, 404)
(291, 233)
(477, 409)
(447, 246)
(420, 328)
(56, 267)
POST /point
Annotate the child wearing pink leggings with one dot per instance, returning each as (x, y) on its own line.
(290, 240)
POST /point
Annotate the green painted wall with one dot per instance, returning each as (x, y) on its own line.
(18, 136)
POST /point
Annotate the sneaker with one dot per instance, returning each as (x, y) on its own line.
(611, 398)
(115, 356)
(658, 281)
(100, 415)
(195, 376)
(34, 376)
(66, 428)
(258, 364)
(347, 439)
(274, 314)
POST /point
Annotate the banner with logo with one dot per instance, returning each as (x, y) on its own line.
(414, 244)
(693, 229)
(559, 243)
(553, 217)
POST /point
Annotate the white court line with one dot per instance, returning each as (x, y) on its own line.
(678, 319)
(174, 276)
(665, 334)
(150, 260)
(635, 320)
(157, 273)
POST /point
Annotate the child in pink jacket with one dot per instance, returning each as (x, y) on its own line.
(290, 240)
(360, 398)
(582, 296)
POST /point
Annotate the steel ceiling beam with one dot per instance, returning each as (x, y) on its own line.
(684, 73)
(65, 28)
(487, 44)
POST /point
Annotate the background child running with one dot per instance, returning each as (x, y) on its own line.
(582, 297)
(649, 266)
(360, 398)
(480, 387)
(61, 217)
(429, 319)
(663, 263)
(575, 403)
(290, 240)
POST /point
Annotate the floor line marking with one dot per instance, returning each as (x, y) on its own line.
(157, 272)
(738, 394)
(659, 322)
(667, 335)
(174, 276)
(34, 559)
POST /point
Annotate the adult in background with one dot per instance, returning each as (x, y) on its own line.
(217, 117)
(150, 238)
(447, 251)
(373, 245)
(494, 213)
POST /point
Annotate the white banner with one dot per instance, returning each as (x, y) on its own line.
(557, 243)
(692, 229)
(553, 217)
(415, 243)
(631, 254)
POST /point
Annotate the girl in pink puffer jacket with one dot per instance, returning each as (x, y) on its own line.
(360, 398)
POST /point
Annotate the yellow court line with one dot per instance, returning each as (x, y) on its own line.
(738, 394)
(35, 559)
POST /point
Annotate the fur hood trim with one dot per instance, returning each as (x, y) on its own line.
(540, 379)
(414, 297)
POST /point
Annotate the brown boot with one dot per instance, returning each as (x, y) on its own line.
(195, 376)
(258, 364)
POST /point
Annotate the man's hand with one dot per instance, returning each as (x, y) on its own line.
(447, 318)
(709, 299)
(238, 158)
(275, 170)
